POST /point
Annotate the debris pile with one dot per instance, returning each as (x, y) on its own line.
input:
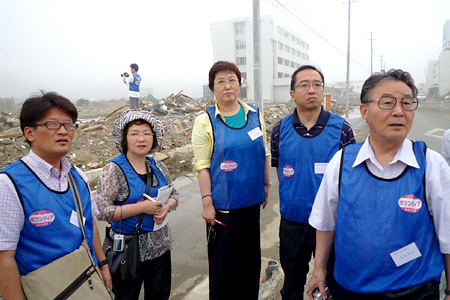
(93, 147)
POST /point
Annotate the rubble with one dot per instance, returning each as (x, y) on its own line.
(93, 147)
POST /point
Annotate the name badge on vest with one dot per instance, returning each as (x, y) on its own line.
(319, 168)
(255, 133)
(74, 219)
(405, 254)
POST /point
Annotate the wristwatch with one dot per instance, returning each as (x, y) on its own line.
(102, 263)
(447, 292)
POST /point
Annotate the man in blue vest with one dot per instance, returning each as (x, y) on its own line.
(38, 214)
(384, 204)
(302, 144)
(133, 82)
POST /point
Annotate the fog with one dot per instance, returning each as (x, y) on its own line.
(80, 48)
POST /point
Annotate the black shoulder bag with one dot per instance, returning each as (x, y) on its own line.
(125, 264)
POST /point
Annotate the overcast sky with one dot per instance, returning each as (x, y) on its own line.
(80, 48)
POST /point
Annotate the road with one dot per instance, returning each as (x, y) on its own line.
(189, 259)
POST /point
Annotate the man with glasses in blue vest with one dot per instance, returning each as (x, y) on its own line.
(385, 205)
(38, 214)
(302, 144)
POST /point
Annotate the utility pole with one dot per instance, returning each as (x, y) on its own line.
(257, 73)
(371, 53)
(347, 99)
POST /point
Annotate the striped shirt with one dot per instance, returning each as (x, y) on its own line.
(11, 211)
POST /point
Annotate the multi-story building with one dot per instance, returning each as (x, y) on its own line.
(438, 74)
(283, 50)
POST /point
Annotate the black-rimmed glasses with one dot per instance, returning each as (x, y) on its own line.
(57, 125)
(388, 103)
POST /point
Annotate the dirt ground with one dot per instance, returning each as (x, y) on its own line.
(93, 147)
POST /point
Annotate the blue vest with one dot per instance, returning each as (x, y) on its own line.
(237, 164)
(302, 161)
(134, 86)
(376, 217)
(47, 233)
(136, 188)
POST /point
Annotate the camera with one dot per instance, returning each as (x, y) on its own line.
(125, 74)
(318, 296)
(119, 241)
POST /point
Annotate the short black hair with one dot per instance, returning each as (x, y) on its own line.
(393, 74)
(135, 67)
(305, 67)
(35, 108)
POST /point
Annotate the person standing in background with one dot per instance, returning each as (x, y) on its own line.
(133, 82)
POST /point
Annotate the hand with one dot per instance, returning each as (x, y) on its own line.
(317, 281)
(159, 218)
(209, 214)
(150, 207)
(106, 277)
(447, 297)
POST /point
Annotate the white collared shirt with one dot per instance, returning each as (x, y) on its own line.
(437, 175)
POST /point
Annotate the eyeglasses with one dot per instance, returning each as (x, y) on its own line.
(318, 86)
(388, 103)
(135, 134)
(57, 125)
(231, 82)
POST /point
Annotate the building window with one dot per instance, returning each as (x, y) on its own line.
(280, 75)
(298, 41)
(287, 62)
(292, 51)
(240, 45)
(286, 34)
(287, 48)
(239, 28)
(241, 60)
(293, 38)
(286, 75)
(297, 66)
(244, 75)
(280, 30)
(280, 46)
(280, 60)
(292, 64)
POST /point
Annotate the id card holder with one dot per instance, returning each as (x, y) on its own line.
(119, 241)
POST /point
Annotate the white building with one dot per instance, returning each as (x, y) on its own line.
(438, 74)
(283, 50)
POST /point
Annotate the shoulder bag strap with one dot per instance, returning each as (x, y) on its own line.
(147, 191)
(73, 187)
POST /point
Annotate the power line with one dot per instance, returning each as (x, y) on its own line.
(313, 30)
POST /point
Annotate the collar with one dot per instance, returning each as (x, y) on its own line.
(43, 168)
(322, 120)
(246, 107)
(405, 154)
